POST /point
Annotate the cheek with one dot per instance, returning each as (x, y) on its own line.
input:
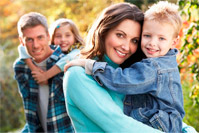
(73, 40)
(133, 49)
(56, 41)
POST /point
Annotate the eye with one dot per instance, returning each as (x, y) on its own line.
(68, 35)
(58, 36)
(161, 38)
(135, 41)
(40, 37)
(29, 40)
(119, 35)
(146, 35)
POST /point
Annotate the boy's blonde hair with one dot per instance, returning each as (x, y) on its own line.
(62, 22)
(165, 12)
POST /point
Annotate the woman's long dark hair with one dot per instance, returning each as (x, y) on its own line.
(111, 17)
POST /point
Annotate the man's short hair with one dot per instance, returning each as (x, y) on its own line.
(31, 19)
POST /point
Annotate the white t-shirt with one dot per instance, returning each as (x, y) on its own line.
(43, 96)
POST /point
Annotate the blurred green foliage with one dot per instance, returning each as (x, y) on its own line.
(189, 59)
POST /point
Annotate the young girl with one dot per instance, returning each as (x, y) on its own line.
(63, 32)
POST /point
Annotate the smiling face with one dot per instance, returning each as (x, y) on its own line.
(122, 41)
(157, 38)
(64, 37)
(36, 40)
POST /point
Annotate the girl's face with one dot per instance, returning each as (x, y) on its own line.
(122, 41)
(64, 37)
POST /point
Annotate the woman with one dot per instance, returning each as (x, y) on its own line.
(113, 38)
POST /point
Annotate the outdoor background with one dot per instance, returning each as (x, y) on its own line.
(83, 13)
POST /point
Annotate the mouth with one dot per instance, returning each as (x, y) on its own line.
(120, 54)
(151, 51)
(37, 52)
(64, 45)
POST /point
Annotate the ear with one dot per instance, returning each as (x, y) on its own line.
(21, 41)
(48, 35)
(175, 42)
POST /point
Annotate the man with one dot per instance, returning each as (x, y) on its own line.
(43, 103)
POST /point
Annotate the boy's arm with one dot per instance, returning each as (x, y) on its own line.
(133, 80)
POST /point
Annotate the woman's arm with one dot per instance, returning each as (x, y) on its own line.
(97, 104)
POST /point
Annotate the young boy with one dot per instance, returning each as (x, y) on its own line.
(153, 85)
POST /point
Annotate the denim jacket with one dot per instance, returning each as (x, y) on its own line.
(153, 89)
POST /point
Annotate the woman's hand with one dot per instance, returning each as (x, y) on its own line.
(76, 62)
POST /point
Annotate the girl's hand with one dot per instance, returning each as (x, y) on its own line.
(76, 62)
(40, 77)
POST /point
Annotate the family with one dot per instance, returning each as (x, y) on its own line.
(124, 78)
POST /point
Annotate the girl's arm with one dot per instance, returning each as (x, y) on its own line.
(57, 68)
(32, 66)
(23, 55)
(41, 77)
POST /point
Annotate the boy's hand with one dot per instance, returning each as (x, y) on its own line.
(76, 62)
(40, 77)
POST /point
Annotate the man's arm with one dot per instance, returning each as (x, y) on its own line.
(21, 77)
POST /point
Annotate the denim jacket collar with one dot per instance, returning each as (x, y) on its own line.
(172, 52)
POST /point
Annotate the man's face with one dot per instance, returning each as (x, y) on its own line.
(36, 40)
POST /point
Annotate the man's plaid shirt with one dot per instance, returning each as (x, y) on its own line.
(57, 118)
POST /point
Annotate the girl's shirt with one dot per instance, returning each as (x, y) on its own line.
(22, 52)
(93, 108)
(68, 57)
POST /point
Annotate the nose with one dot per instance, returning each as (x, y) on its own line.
(126, 45)
(153, 42)
(63, 38)
(35, 44)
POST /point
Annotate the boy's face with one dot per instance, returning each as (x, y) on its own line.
(157, 38)
(36, 40)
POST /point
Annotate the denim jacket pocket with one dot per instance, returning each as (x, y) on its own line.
(157, 123)
(136, 114)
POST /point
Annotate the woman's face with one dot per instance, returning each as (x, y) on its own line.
(122, 41)
(64, 37)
